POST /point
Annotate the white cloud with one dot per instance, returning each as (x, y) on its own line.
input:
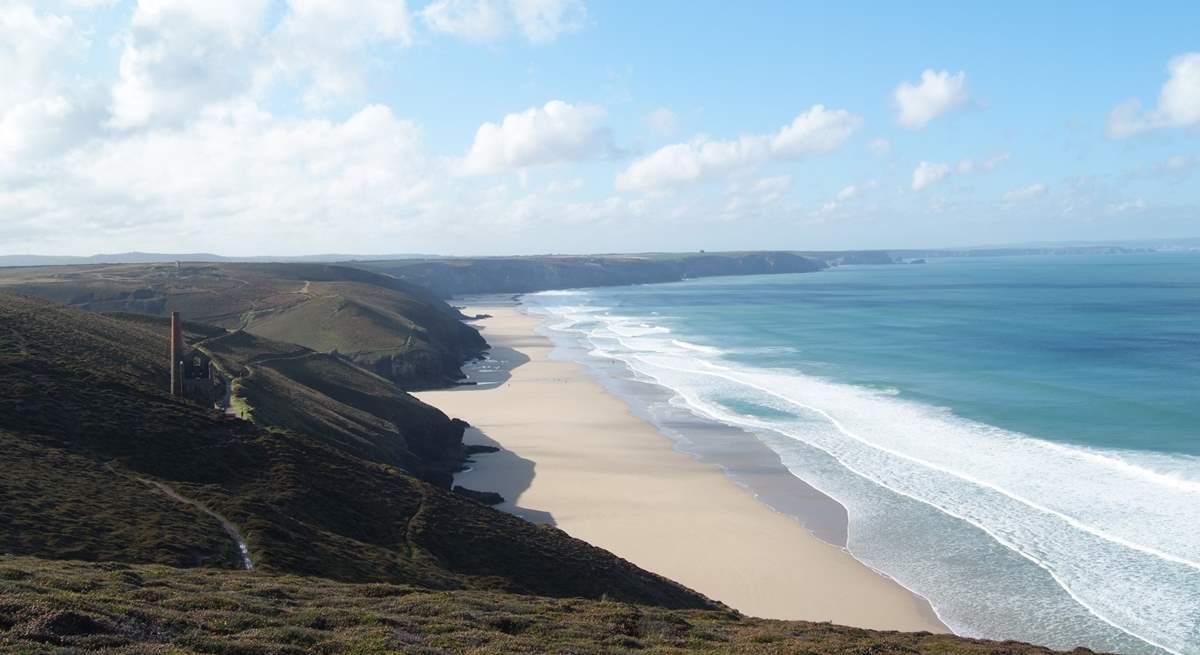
(818, 130)
(180, 55)
(484, 21)
(928, 173)
(662, 122)
(936, 94)
(1178, 102)
(770, 189)
(42, 109)
(846, 193)
(557, 132)
(478, 21)
(33, 45)
(748, 201)
(236, 169)
(880, 147)
(324, 43)
(543, 21)
(815, 131)
(1025, 193)
(965, 166)
(686, 162)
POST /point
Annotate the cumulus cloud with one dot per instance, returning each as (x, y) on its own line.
(543, 21)
(927, 174)
(183, 54)
(478, 21)
(938, 92)
(815, 131)
(557, 132)
(485, 21)
(1025, 193)
(42, 109)
(323, 43)
(1178, 102)
(300, 181)
(818, 130)
(33, 43)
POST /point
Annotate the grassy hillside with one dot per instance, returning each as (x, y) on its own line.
(91, 442)
(46, 606)
(398, 330)
(282, 385)
(123, 512)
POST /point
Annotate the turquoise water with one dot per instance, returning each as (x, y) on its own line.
(1017, 439)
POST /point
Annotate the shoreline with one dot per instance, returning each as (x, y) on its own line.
(605, 475)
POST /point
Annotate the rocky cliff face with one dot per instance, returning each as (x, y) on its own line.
(451, 277)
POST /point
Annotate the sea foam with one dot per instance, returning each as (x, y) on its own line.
(1117, 535)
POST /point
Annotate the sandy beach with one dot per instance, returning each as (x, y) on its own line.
(575, 456)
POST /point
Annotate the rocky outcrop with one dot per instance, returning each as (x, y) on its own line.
(484, 497)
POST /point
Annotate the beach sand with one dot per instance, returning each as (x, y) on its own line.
(575, 456)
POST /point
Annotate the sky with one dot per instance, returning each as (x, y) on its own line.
(468, 127)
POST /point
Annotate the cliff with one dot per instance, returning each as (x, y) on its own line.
(460, 276)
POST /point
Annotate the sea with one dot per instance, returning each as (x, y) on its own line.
(1016, 439)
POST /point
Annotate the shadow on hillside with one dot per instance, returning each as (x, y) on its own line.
(496, 368)
(504, 472)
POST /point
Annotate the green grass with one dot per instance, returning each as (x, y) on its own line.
(386, 325)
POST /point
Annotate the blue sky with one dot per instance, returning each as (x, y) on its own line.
(527, 126)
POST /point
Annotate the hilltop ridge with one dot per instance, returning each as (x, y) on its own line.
(386, 325)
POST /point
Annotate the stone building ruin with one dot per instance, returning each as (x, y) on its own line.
(193, 374)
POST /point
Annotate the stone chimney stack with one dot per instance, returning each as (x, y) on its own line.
(176, 355)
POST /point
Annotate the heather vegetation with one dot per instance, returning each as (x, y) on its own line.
(339, 487)
(47, 606)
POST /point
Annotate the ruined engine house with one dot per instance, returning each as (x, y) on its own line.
(193, 375)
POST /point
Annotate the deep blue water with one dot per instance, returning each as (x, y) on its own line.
(1016, 438)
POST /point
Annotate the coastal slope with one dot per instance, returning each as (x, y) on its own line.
(485, 275)
(101, 464)
(393, 328)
